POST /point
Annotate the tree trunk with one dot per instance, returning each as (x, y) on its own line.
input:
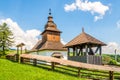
(3, 47)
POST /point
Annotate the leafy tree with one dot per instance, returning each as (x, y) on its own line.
(6, 38)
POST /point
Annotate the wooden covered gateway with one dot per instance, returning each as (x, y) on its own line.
(81, 49)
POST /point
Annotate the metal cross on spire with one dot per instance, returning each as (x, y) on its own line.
(50, 11)
(82, 29)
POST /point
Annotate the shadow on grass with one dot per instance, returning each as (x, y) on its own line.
(59, 69)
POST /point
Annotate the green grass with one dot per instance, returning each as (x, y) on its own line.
(15, 71)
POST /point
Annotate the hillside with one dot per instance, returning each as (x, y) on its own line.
(15, 71)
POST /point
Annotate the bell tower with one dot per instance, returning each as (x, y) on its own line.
(51, 33)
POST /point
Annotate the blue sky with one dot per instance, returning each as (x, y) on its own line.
(32, 14)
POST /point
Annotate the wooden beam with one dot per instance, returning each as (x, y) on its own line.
(96, 49)
(111, 77)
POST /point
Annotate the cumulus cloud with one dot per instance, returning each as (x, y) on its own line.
(71, 7)
(28, 37)
(110, 48)
(118, 24)
(85, 5)
(63, 41)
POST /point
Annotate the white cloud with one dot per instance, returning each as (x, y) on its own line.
(71, 7)
(97, 18)
(110, 48)
(92, 7)
(63, 41)
(28, 37)
(118, 24)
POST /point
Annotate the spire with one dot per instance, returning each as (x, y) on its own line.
(50, 17)
(82, 29)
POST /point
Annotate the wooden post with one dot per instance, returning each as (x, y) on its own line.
(79, 52)
(21, 49)
(34, 62)
(17, 57)
(100, 50)
(86, 49)
(76, 50)
(21, 60)
(68, 52)
(111, 73)
(73, 51)
(79, 72)
(17, 50)
(52, 65)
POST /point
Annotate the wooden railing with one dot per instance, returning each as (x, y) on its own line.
(78, 65)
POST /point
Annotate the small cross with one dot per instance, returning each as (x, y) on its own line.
(82, 29)
(49, 11)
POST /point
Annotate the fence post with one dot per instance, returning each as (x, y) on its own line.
(111, 77)
(52, 65)
(21, 60)
(34, 62)
(79, 72)
(17, 57)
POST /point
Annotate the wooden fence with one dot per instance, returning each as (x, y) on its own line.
(12, 57)
(78, 65)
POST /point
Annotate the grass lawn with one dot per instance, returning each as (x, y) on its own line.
(15, 71)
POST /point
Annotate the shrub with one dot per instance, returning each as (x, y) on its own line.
(112, 62)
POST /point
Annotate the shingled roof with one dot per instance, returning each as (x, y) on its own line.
(50, 25)
(36, 45)
(84, 38)
(49, 45)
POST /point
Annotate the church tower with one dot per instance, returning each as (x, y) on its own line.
(51, 33)
(51, 40)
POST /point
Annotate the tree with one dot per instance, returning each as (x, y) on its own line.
(6, 38)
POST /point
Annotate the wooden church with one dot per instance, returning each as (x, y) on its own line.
(51, 41)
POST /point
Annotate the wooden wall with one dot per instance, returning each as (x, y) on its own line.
(51, 36)
(91, 59)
